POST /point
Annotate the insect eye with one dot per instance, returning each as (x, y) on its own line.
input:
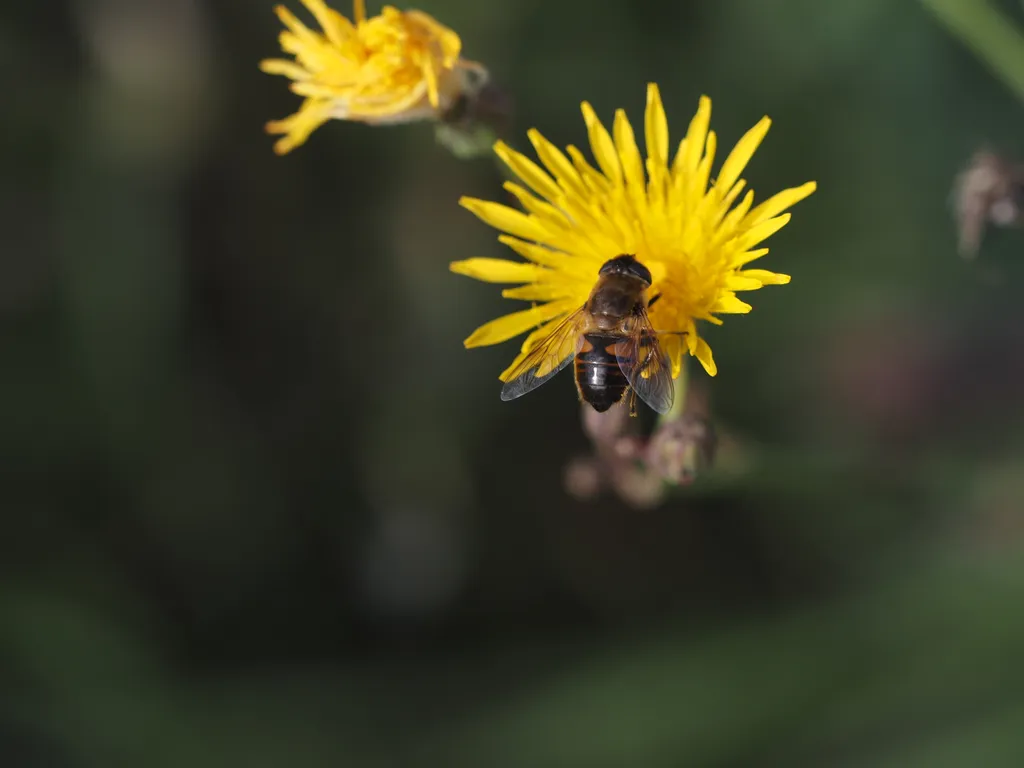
(620, 265)
(639, 270)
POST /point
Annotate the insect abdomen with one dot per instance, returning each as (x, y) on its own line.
(598, 375)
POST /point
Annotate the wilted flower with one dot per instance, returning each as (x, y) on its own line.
(695, 240)
(989, 190)
(397, 67)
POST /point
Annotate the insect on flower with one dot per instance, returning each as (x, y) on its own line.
(611, 339)
(693, 241)
(398, 67)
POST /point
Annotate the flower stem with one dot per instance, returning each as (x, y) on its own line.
(995, 39)
(681, 384)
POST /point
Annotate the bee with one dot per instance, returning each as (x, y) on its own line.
(611, 341)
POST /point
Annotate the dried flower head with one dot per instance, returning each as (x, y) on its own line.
(398, 67)
(989, 191)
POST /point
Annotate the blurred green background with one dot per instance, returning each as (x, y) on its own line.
(260, 507)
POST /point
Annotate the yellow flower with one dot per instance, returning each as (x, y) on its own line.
(695, 240)
(397, 67)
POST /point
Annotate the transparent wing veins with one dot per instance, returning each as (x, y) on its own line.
(646, 366)
(550, 356)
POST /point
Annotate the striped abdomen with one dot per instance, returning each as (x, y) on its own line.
(598, 375)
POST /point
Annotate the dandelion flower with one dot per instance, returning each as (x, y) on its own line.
(397, 67)
(696, 240)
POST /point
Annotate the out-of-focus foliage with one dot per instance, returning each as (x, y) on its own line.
(260, 508)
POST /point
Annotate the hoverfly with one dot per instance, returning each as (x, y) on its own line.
(612, 342)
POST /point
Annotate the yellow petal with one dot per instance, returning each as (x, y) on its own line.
(691, 336)
(528, 171)
(546, 291)
(765, 277)
(430, 76)
(504, 328)
(557, 163)
(629, 155)
(703, 353)
(529, 342)
(742, 281)
(698, 180)
(298, 127)
(504, 218)
(286, 68)
(656, 127)
(504, 375)
(732, 194)
(729, 304)
(546, 214)
(741, 154)
(359, 11)
(731, 221)
(316, 90)
(672, 346)
(601, 145)
(761, 231)
(438, 33)
(779, 202)
(498, 270)
(696, 135)
(536, 335)
(335, 26)
(745, 257)
(538, 254)
(590, 175)
(297, 28)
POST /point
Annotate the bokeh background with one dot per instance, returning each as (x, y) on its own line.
(260, 508)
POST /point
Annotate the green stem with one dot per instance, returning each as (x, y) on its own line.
(681, 384)
(993, 38)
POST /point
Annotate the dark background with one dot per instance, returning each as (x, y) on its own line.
(260, 508)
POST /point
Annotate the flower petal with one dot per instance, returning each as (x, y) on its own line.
(729, 304)
(765, 277)
(504, 328)
(760, 232)
(297, 127)
(629, 155)
(546, 214)
(337, 28)
(779, 202)
(539, 254)
(745, 257)
(703, 353)
(446, 39)
(696, 135)
(528, 171)
(297, 28)
(557, 163)
(655, 127)
(545, 291)
(499, 270)
(592, 177)
(728, 226)
(672, 346)
(742, 281)
(601, 145)
(741, 154)
(504, 218)
(283, 67)
(430, 76)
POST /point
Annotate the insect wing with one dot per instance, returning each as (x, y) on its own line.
(646, 366)
(550, 356)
